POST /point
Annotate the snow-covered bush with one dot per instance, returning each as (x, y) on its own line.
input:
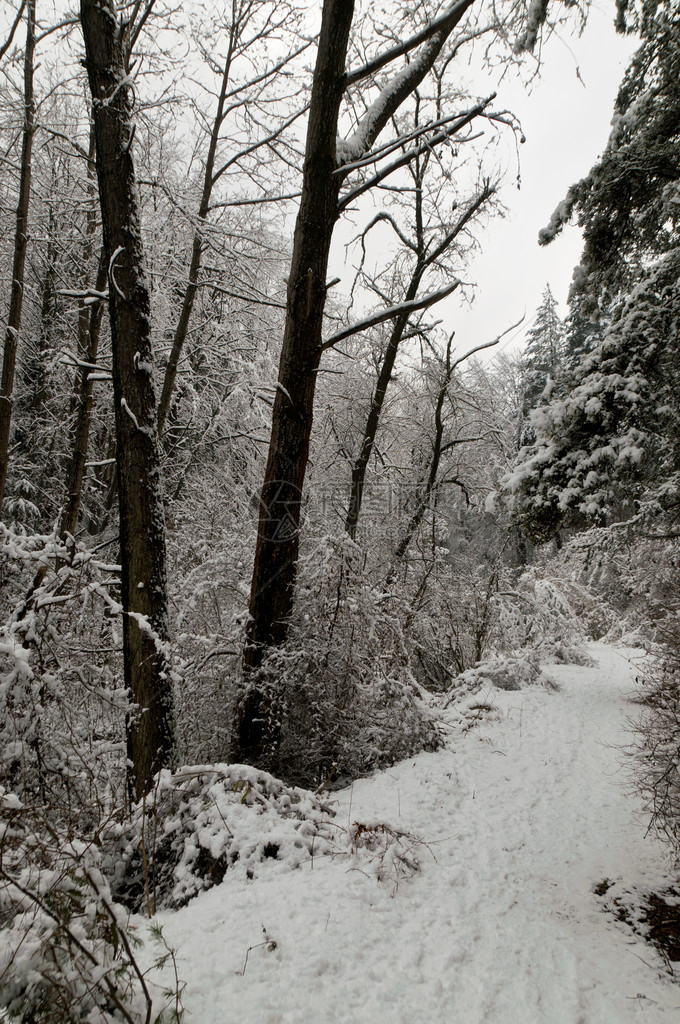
(451, 596)
(205, 820)
(62, 704)
(341, 695)
(657, 745)
(67, 950)
(538, 614)
(505, 672)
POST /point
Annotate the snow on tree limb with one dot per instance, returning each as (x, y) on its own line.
(398, 88)
(448, 20)
(538, 12)
(17, 21)
(390, 313)
(398, 143)
(461, 121)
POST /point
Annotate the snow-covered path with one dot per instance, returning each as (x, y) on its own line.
(525, 814)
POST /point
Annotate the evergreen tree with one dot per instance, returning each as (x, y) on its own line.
(609, 449)
(608, 446)
(542, 359)
(582, 335)
(628, 203)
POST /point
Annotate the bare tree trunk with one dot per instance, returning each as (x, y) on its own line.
(75, 467)
(142, 526)
(278, 537)
(276, 552)
(48, 312)
(90, 317)
(20, 247)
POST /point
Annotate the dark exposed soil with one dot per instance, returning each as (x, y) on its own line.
(655, 916)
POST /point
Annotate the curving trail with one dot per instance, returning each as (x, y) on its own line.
(524, 814)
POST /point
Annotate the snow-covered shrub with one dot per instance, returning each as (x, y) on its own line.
(210, 556)
(341, 693)
(456, 623)
(205, 820)
(505, 672)
(543, 614)
(452, 598)
(658, 753)
(657, 746)
(618, 581)
(62, 704)
(67, 950)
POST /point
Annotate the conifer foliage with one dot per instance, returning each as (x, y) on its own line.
(606, 446)
(543, 352)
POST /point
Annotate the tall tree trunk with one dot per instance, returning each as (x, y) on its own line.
(142, 526)
(90, 317)
(20, 247)
(276, 551)
(48, 312)
(278, 531)
(76, 464)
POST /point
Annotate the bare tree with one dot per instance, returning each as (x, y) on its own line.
(252, 23)
(142, 527)
(430, 246)
(326, 167)
(20, 248)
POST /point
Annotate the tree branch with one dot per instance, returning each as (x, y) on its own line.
(258, 144)
(6, 45)
(410, 154)
(400, 86)
(391, 312)
(445, 23)
(487, 344)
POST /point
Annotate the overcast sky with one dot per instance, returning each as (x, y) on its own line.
(566, 123)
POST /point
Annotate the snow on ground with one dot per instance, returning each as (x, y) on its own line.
(523, 815)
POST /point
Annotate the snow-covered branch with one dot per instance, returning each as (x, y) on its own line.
(445, 23)
(399, 86)
(401, 309)
(393, 144)
(406, 157)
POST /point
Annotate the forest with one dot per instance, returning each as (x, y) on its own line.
(261, 518)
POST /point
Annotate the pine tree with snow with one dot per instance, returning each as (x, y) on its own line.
(608, 445)
(542, 358)
(609, 449)
(582, 335)
(629, 203)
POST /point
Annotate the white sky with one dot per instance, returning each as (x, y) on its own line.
(566, 124)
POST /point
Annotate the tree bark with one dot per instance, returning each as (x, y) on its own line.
(20, 247)
(142, 526)
(278, 531)
(75, 466)
(90, 316)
